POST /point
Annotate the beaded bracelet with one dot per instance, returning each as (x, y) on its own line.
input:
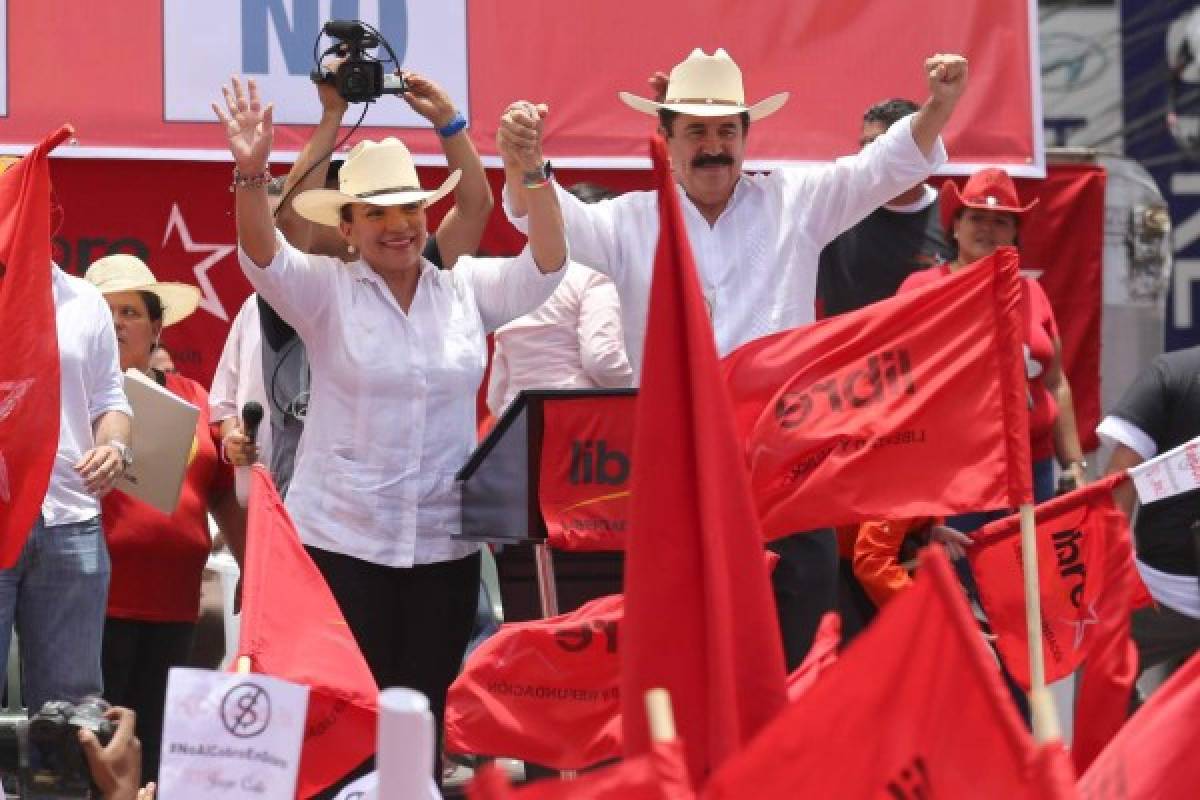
(241, 181)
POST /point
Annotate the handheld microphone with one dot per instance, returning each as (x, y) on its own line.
(252, 417)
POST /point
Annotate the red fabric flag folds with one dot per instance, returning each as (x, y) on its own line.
(1074, 536)
(659, 774)
(1087, 583)
(699, 614)
(821, 656)
(914, 707)
(293, 629)
(912, 407)
(1154, 754)
(30, 379)
(544, 691)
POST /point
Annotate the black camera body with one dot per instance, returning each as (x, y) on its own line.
(361, 77)
(45, 754)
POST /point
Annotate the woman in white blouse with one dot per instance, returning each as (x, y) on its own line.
(397, 352)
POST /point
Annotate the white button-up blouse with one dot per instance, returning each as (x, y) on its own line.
(391, 414)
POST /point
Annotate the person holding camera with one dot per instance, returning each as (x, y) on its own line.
(397, 352)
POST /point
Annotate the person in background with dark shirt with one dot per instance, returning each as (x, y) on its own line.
(1158, 412)
(868, 262)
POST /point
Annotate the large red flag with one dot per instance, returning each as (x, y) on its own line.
(914, 707)
(1074, 532)
(293, 629)
(30, 381)
(659, 774)
(699, 615)
(1154, 754)
(915, 406)
(545, 691)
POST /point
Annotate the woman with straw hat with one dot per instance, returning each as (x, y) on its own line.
(397, 352)
(157, 559)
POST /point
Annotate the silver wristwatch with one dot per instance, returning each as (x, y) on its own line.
(124, 452)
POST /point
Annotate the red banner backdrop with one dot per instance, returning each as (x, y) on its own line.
(108, 74)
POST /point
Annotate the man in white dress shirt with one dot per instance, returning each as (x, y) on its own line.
(756, 238)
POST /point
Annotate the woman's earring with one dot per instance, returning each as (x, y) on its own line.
(350, 249)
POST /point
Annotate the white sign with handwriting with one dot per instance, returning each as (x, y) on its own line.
(231, 735)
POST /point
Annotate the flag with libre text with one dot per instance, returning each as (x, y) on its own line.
(1075, 533)
(293, 629)
(544, 691)
(699, 614)
(30, 379)
(1087, 583)
(915, 406)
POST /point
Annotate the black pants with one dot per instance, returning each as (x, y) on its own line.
(805, 585)
(411, 623)
(136, 657)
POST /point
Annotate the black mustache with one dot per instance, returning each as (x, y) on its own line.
(719, 160)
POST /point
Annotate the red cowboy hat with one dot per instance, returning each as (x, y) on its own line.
(990, 189)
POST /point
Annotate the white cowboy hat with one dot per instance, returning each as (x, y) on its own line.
(379, 173)
(126, 273)
(706, 86)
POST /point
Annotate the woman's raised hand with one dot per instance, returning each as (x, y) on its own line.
(248, 126)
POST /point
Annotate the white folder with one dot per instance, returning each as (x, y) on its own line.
(164, 433)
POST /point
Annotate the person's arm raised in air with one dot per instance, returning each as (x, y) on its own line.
(249, 128)
(462, 227)
(312, 165)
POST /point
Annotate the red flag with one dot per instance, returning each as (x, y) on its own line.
(699, 614)
(1074, 533)
(1055, 775)
(659, 774)
(1154, 754)
(835, 416)
(30, 380)
(1111, 668)
(915, 707)
(293, 629)
(821, 656)
(1087, 582)
(544, 691)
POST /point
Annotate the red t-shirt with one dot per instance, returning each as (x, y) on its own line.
(1040, 333)
(158, 560)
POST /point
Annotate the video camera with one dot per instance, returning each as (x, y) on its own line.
(361, 77)
(44, 753)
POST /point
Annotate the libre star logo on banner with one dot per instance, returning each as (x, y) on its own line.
(209, 300)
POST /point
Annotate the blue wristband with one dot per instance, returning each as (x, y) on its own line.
(453, 126)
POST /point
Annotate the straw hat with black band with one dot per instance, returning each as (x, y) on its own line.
(706, 86)
(378, 173)
(127, 273)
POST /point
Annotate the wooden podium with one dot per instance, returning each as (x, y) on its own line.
(549, 443)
